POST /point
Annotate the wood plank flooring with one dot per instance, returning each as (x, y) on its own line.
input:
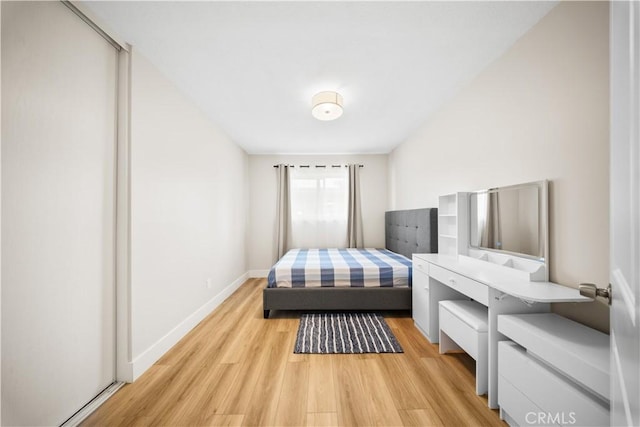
(236, 368)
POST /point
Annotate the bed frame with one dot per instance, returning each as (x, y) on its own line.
(406, 232)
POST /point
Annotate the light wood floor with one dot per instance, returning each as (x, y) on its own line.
(236, 368)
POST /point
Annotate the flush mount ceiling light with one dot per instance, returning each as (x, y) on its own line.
(326, 105)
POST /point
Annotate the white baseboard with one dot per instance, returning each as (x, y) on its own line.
(150, 356)
(258, 273)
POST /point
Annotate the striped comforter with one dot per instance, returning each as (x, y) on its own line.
(301, 268)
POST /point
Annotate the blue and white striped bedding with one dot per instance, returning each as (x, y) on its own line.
(300, 268)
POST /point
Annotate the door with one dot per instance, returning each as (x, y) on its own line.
(420, 297)
(58, 163)
(625, 208)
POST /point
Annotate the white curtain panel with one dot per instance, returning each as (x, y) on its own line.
(283, 211)
(319, 207)
(354, 226)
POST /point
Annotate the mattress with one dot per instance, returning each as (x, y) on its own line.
(305, 268)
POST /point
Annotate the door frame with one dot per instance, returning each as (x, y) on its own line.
(124, 357)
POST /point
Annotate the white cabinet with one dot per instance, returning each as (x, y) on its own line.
(453, 228)
(556, 371)
(420, 297)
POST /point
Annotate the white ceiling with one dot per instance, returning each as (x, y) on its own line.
(253, 67)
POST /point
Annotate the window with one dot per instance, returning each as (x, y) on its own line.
(319, 207)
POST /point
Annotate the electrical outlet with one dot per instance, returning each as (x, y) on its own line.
(209, 283)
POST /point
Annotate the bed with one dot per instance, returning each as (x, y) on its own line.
(354, 279)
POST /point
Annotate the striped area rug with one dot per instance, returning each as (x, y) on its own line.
(330, 333)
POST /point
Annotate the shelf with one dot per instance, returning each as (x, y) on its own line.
(447, 205)
(447, 236)
(452, 224)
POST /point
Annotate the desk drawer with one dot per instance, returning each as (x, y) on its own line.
(420, 265)
(476, 290)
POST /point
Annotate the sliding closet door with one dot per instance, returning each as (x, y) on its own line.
(58, 150)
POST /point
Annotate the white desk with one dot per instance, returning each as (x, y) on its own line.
(502, 289)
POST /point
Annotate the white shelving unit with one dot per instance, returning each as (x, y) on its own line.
(453, 227)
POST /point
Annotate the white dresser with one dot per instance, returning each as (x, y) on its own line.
(554, 371)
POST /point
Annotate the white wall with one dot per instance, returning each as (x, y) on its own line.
(262, 250)
(189, 202)
(539, 112)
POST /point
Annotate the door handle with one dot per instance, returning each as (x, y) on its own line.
(592, 291)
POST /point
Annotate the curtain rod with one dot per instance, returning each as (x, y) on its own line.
(317, 166)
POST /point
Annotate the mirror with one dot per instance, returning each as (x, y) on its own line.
(510, 219)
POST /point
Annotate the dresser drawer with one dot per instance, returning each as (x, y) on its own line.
(519, 409)
(476, 290)
(548, 390)
(579, 352)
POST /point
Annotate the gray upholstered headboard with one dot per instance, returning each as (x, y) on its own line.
(412, 231)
